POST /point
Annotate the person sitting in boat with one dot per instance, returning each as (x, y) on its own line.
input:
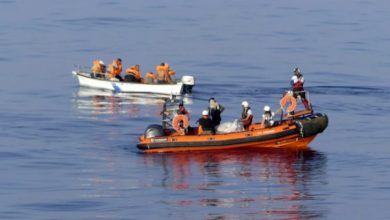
(183, 111)
(115, 69)
(206, 125)
(247, 115)
(149, 78)
(98, 69)
(133, 74)
(172, 75)
(267, 118)
(297, 82)
(181, 121)
(215, 110)
(162, 73)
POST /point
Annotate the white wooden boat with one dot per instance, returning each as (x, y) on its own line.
(179, 88)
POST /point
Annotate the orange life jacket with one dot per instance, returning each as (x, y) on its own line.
(162, 72)
(135, 71)
(96, 68)
(149, 78)
(149, 75)
(115, 68)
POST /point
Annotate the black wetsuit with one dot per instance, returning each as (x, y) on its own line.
(215, 114)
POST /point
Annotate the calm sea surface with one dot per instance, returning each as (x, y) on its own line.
(69, 153)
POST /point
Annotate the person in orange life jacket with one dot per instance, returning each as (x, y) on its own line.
(162, 73)
(115, 69)
(215, 110)
(267, 118)
(133, 74)
(246, 115)
(98, 69)
(149, 78)
(172, 75)
(206, 125)
(297, 82)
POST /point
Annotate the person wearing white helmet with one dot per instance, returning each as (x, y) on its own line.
(297, 82)
(267, 119)
(246, 115)
(206, 125)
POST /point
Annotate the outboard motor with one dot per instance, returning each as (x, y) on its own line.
(154, 130)
(188, 83)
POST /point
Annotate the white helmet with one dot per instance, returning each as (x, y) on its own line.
(101, 62)
(245, 104)
(294, 78)
(205, 112)
(267, 108)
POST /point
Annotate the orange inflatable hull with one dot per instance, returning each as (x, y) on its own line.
(288, 134)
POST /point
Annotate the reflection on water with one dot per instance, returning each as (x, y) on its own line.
(273, 183)
(98, 102)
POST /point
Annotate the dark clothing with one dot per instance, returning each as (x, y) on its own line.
(182, 111)
(161, 81)
(207, 125)
(97, 75)
(216, 115)
(302, 94)
(119, 78)
(267, 117)
(130, 78)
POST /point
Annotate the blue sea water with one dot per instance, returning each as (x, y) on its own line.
(69, 153)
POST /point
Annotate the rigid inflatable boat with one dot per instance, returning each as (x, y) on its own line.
(294, 131)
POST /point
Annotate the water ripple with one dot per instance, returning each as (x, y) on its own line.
(97, 21)
(70, 206)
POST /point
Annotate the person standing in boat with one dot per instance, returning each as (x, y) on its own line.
(215, 110)
(246, 115)
(133, 74)
(206, 125)
(297, 82)
(267, 118)
(162, 73)
(115, 69)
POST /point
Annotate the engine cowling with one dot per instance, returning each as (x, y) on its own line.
(154, 130)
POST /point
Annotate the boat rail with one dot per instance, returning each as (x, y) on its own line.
(284, 114)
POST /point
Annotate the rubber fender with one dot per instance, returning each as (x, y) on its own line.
(312, 125)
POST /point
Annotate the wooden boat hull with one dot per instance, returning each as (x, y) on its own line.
(128, 87)
(288, 134)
